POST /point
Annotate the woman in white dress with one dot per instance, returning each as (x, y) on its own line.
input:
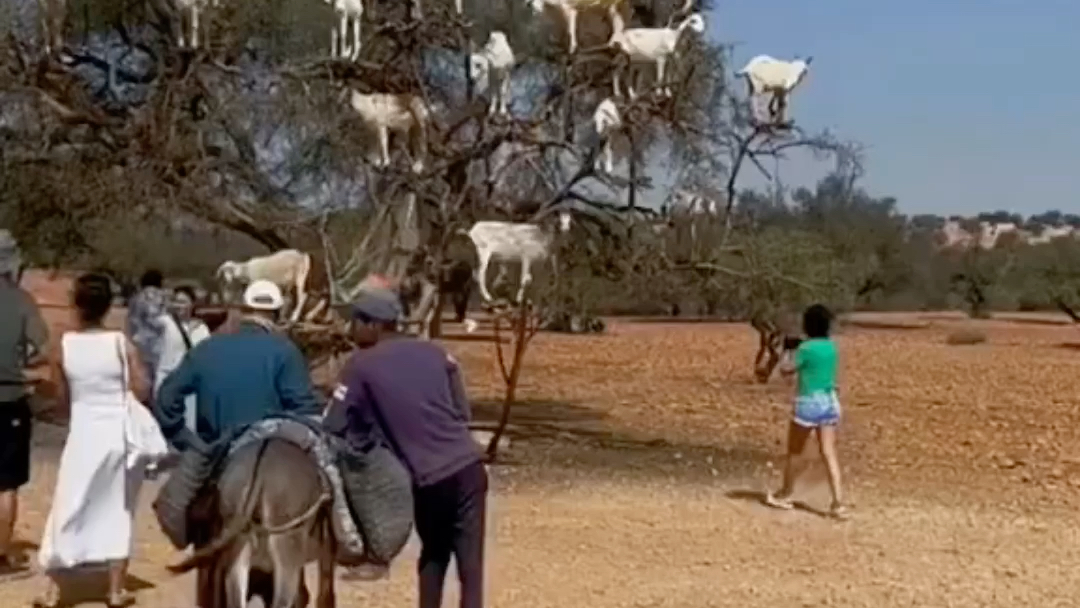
(182, 332)
(93, 506)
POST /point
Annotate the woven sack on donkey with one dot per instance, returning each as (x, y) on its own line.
(379, 491)
(193, 469)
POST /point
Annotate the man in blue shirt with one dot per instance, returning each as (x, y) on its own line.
(410, 391)
(238, 378)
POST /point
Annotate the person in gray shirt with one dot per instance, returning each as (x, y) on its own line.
(23, 340)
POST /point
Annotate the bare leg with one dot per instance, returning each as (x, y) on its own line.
(9, 508)
(827, 445)
(118, 596)
(797, 436)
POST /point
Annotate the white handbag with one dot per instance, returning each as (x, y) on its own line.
(142, 436)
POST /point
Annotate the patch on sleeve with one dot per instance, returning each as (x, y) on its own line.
(340, 392)
(451, 360)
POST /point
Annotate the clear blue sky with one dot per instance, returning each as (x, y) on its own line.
(963, 106)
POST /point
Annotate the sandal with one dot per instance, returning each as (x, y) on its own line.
(778, 502)
(120, 600)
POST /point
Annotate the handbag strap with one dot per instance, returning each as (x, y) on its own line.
(183, 331)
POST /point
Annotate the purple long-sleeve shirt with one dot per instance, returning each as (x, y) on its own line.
(410, 390)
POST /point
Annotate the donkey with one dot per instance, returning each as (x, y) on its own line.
(272, 516)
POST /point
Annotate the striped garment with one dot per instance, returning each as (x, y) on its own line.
(821, 408)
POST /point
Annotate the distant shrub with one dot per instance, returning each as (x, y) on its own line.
(965, 337)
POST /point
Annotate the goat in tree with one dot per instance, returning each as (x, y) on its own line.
(570, 9)
(349, 13)
(607, 121)
(655, 45)
(288, 269)
(404, 114)
(776, 77)
(522, 242)
(53, 14)
(490, 71)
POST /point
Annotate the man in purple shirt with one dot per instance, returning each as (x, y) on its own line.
(410, 392)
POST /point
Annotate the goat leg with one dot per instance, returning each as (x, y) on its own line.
(195, 25)
(384, 146)
(571, 26)
(617, 23)
(356, 37)
(661, 63)
(526, 279)
(343, 32)
(481, 275)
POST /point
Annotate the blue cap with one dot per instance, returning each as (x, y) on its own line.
(379, 306)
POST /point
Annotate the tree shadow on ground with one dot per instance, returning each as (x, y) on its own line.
(661, 320)
(473, 337)
(90, 585)
(551, 435)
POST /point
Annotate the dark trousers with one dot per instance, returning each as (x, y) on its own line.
(450, 518)
(15, 434)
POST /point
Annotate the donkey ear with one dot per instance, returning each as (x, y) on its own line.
(809, 59)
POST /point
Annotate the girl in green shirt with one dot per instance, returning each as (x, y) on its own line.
(816, 407)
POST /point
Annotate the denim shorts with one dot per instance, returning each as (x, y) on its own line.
(817, 409)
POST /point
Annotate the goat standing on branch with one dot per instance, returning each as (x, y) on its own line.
(522, 242)
(655, 45)
(778, 78)
(405, 114)
(570, 9)
(288, 269)
(349, 12)
(607, 122)
(490, 71)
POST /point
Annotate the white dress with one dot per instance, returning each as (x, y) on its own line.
(94, 502)
(173, 350)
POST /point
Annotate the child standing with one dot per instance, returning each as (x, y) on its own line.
(817, 408)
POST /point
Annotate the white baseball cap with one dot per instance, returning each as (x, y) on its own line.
(263, 295)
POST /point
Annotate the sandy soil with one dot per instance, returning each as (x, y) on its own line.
(638, 458)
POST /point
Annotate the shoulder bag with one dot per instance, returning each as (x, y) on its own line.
(143, 441)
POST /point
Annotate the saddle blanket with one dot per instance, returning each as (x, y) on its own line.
(372, 509)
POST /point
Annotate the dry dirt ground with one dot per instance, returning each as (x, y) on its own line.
(638, 458)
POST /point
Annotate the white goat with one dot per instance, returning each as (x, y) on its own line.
(1050, 234)
(405, 114)
(523, 242)
(768, 75)
(570, 9)
(349, 13)
(607, 121)
(954, 235)
(490, 71)
(653, 45)
(288, 269)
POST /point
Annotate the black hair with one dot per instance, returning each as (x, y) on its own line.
(93, 297)
(817, 320)
(187, 290)
(151, 278)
